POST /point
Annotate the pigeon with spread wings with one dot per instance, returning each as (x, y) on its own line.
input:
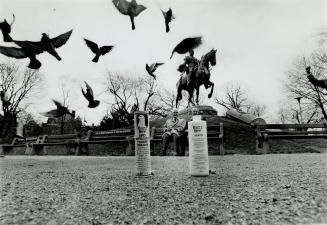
(168, 18)
(90, 96)
(46, 44)
(59, 112)
(25, 52)
(96, 50)
(131, 9)
(5, 28)
(186, 45)
(50, 44)
(150, 69)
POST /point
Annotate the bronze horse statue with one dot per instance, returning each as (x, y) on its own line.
(200, 76)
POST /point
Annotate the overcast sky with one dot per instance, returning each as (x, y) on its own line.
(257, 42)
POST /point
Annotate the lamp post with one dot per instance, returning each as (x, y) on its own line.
(299, 101)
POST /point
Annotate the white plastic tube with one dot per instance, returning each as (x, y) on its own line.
(142, 143)
(198, 147)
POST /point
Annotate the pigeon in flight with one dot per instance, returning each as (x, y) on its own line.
(90, 96)
(59, 112)
(131, 9)
(150, 69)
(186, 45)
(46, 44)
(5, 28)
(168, 18)
(320, 83)
(96, 50)
(50, 45)
(24, 52)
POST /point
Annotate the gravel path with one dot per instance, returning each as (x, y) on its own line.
(246, 189)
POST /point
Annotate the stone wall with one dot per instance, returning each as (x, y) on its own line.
(239, 138)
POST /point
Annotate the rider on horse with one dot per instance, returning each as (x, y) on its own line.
(190, 65)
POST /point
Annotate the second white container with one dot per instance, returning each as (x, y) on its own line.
(198, 147)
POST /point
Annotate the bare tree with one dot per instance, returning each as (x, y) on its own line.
(291, 113)
(256, 109)
(129, 95)
(147, 88)
(26, 117)
(298, 85)
(18, 85)
(123, 90)
(163, 103)
(65, 91)
(235, 97)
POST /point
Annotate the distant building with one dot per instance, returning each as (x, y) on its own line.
(69, 123)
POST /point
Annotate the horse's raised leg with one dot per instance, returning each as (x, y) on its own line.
(197, 93)
(190, 96)
(179, 96)
(212, 86)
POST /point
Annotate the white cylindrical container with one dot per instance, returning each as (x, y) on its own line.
(198, 147)
(142, 143)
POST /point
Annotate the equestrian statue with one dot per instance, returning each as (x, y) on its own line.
(197, 73)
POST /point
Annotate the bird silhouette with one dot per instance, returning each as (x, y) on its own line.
(5, 28)
(96, 50)
(320, 83)
(90, 96)
(186, 45)
(131, 9)
(50, 44)
(24, 52)
(150, 69)
(46, 44)
(168, 18)
(59, 112)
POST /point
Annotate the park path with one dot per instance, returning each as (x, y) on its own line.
(246, 189)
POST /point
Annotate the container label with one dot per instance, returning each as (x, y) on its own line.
(198, 145)
(142, 143)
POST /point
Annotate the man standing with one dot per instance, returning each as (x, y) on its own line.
(173, 129)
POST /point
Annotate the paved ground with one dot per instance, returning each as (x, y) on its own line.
(263, 189)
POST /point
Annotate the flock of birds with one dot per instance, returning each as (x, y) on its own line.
(30, 49)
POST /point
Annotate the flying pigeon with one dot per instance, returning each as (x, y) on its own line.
(320, 83)
(46, 44)
(131, 9)
(168, 18)
(96, 50)
(90, 96)
(59, 112)
(5, 28)
(150, 69)
(186, 45)
(50, 45)
(20, 53)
